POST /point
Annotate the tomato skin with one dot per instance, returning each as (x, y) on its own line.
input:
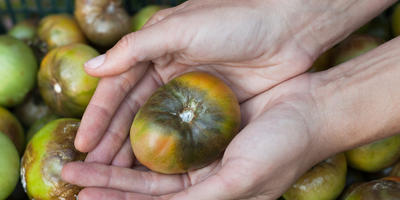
(387, 188)
(186, 124)
(63, 83)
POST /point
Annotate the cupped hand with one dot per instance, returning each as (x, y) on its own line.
(278, 144)
(248, 44)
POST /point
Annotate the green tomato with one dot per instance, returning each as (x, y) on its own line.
(18, 68)
(140, 18)
(25, 30)
(375, 156)
(9, 166)
(325, 181)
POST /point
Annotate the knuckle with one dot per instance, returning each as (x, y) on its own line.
(126, 41)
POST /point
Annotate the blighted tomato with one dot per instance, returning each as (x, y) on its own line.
(384, 189)
(45, 155)
(59, 30)
(9, 165)
(32, 108)
(63, 83)
(18, 68)
(103, 21)
(375, 156)
(186, 124)
(11, 127)
(325, 181)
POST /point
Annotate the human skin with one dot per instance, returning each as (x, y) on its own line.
(270, 115)
(290, 128)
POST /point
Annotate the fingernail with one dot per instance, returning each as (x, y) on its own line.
(95, 62)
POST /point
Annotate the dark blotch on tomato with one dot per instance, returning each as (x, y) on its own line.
(185, 125)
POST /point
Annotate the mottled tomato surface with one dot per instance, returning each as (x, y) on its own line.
(384, 189)
(325, 181)
(375, 156)
(103, 21)
(45, 155)
(59, 30)
(186, 124)
(63, 83)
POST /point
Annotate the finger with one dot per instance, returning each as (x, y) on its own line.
(225, 184)
(124, 157)
(118, 129)
(105, 101)
(143, 45)
(110, 194)
(158, 16)
(99, 175)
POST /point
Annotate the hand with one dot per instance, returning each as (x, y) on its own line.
(187, 38)
(278, 144)
(251, 55)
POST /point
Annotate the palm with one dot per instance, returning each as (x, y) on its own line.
(275, 136)
(246, 54)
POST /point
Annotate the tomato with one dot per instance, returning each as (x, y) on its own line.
(186, 124)
(63, 83)
(59, 30)
(45, 155)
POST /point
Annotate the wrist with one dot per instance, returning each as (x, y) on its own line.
(329, 22)
(358, 100)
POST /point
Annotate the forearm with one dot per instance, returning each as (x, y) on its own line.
(329, 22)
(359, 101)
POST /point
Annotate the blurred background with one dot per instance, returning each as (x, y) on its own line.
(14, 11)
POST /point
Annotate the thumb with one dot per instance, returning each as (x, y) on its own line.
(144, 45)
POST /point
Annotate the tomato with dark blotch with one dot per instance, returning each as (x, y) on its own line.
(353, 47)
(103, 21)
(18, 68)
(59, 30)
(384, 189)
(325, 181)
(9, 166)
(186, 124)
(39, 124)
(375, 156)
(11, 127)
(63, 83)
(144, 14)
(45, 155)
(32, 109)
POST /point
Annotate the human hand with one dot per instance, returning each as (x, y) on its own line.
(196, 35)
(280, 135)
(271, 55)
